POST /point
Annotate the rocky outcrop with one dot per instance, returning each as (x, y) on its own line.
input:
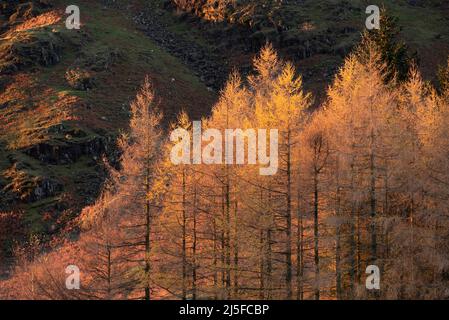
(68, 152)
(20, 50)
(44, 188)
(211, 68)
(26, 50)
(15, 11)
(28, 187)
(254, 14)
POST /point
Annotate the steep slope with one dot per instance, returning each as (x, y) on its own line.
(64, 97)
(317, 34)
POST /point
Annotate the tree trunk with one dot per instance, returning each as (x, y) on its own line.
(236, 252)
(373, 203)
(338, 236)
(262, 266)
(215, 260)
(228, 236)
(184, 236)
(147, 236)
(288, 274)
(194, 248)
(300, 253)
(352, 254)
(315, 234)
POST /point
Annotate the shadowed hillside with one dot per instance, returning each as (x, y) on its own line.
(315, 34)
(64, 96)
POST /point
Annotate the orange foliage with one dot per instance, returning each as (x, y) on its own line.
(45, 19)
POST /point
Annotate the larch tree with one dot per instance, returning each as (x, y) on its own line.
(280, 103)
(140, 153)
(362, 181)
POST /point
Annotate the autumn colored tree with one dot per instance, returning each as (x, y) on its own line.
(361, 181)
(135, 181)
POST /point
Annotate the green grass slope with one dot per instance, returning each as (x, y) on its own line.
(316, 34)
(53, 133)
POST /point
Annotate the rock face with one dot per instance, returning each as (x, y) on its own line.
(29, 188)
(21, 50)
(44, 188)
(13, 11)
(68, 152)
(61, 171)
(245, 12)
(30, 49)
(75, 145)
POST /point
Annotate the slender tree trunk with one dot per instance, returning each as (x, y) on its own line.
(316, 234)
(194, 248)
(358, 246)
(353, 232)
(412, 243)
(228, 236)
(373, 203)
(385, 211)
(288, 274)
(236, 252)
(147, 234)
(300, 253)
(338, 236)
(269, 262)
(184, 237)
(109, 271)
(215, 260)
(223, 244)
(262, 266)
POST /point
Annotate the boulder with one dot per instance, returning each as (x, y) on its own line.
(80, 79)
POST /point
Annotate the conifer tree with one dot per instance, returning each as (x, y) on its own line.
(139, 158)
(394, 53)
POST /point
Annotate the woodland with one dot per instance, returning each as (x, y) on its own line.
(363, 180)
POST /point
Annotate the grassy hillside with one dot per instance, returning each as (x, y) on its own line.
(317, 34)
(64, 97)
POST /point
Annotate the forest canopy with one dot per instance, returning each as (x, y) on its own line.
(362, 181)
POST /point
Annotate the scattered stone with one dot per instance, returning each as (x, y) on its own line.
(80, 79)
(99, 61)
(198, 58)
